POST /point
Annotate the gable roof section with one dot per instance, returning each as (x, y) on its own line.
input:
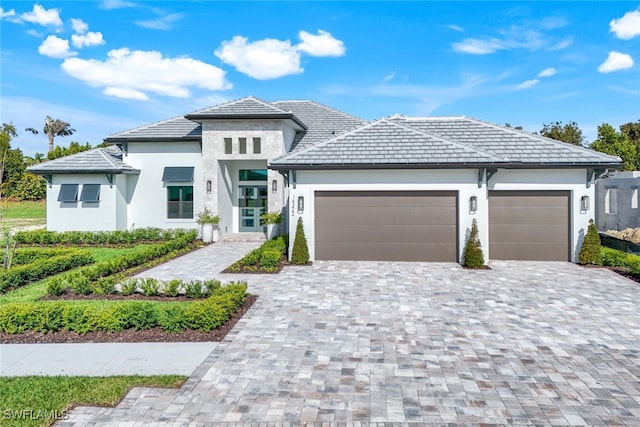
(387, 144)
(244, 108)
(174, 129)
(449, 142)
(96, 160)
(322, 122)
(511, 145)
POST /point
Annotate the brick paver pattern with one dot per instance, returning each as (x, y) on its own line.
(362, 343)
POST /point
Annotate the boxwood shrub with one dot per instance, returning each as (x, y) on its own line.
(119, 237)
(266, 258)
(114, 316)
(24, 256)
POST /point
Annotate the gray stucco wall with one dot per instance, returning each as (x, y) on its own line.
(617, 201)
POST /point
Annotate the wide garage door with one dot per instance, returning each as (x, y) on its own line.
(386, 226)
(529, 225)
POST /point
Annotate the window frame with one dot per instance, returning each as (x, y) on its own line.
(62, 190)
(228, 145)
(181, 203)
(257, 145)
(242, 142)
(85, 189)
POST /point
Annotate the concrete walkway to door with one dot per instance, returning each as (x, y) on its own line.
(427, 343)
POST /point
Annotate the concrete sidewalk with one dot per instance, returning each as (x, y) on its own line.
(103, 359)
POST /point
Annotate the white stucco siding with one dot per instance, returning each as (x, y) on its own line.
(572, 180)
(465, 182)
(147, 193)
(83, 216)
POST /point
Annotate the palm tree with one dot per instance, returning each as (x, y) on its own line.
(53, 127)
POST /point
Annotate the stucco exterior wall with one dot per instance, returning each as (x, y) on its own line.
(82, 216)
(147, 193)
(465, 182)
(626, 212)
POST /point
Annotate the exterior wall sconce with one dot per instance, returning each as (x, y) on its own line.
(473, 203)
(208, 187)
(274, 186)
(584, 203)
(300, 204)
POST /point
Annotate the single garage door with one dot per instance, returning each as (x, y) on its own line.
(386, 226)
(529, 225)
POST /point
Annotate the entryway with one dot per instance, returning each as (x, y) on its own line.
(252, 203)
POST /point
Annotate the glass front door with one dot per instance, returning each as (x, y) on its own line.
(252, 203)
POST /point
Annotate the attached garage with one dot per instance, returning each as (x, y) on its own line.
(529, 225)
(386, 225)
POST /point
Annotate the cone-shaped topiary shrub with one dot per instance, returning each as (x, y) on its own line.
(300, 253)
(473, 256)
(590, 250)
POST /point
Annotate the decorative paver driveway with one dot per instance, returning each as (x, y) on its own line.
(524, 343)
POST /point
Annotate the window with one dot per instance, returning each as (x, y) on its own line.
(243, 145)
(68, 193)
(228, 146)
(611, 201)
(257, 145)
(253, 174)
(178, 174)
(634, 198)
(90, 193)
(180, 202)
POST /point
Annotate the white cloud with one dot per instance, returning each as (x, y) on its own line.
(455, 28)
(527, 84)
(7, 14)
(35, 33)
(562, 44)
(163, 23)
(626, 27)
(323, 44)
(616, 61)
(55, 47)
(263, 60)
(479, 46)
(388, 77)
(115, 4)
(79, 26)
(547, 72)
(89, 39)
(135, 74)
(41, 16)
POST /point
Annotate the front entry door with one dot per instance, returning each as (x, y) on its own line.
(252, 203)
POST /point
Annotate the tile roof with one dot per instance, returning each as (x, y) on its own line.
(322, 122)
(176, 128)
(96, 160)
(509, 144)
(244, 106)
(384, 142)
(440, 142)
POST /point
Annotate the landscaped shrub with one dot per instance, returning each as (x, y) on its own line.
(105, 286)
(80, 284)
(23, 274)
(193, 289)
(212, 286)
(56, 286)
(255, 260)
(43, 237)
(300, 251)
(473, 256)
(114, 316)
(24, 256)
(613, 258)
(172, 288)
(150, 286)
(590, 250)
(129, 287)
(270, 259)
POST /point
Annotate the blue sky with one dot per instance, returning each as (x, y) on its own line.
(110, 65)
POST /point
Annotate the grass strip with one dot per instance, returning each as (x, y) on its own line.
(39, 401)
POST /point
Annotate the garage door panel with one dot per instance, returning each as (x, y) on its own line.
(529, 225)
(389, 252)
(393, 226)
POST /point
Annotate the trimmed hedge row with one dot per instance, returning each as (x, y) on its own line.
(266, 258)
(121, 263)
(115, 316)
(615, 258)
(44, 237)
(28, 255)
(23, 274)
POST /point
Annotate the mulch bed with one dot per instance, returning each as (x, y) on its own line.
(149, 335)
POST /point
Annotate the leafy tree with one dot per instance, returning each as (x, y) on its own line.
(590, 250)
(73, 148)
(14, 168)
(569, 133)
(473, 256)
(300, 252)
(508, 125)
(610, 141)
(7, 133)
(30, 187)
(52, 128)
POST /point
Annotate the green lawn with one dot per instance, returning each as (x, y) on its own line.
(38, 401)
(102, 254)
(23, 210)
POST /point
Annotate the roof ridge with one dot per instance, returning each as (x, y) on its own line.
(236, 101)
(107, 158)
(326, 107)
(148, 125)
(568, 145)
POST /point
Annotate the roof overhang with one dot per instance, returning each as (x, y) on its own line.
(475, 165)
(85, 172)
(276, 116)
(120, 140)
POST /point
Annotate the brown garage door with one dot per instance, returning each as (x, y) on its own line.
(529, 225)
(386, 226)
